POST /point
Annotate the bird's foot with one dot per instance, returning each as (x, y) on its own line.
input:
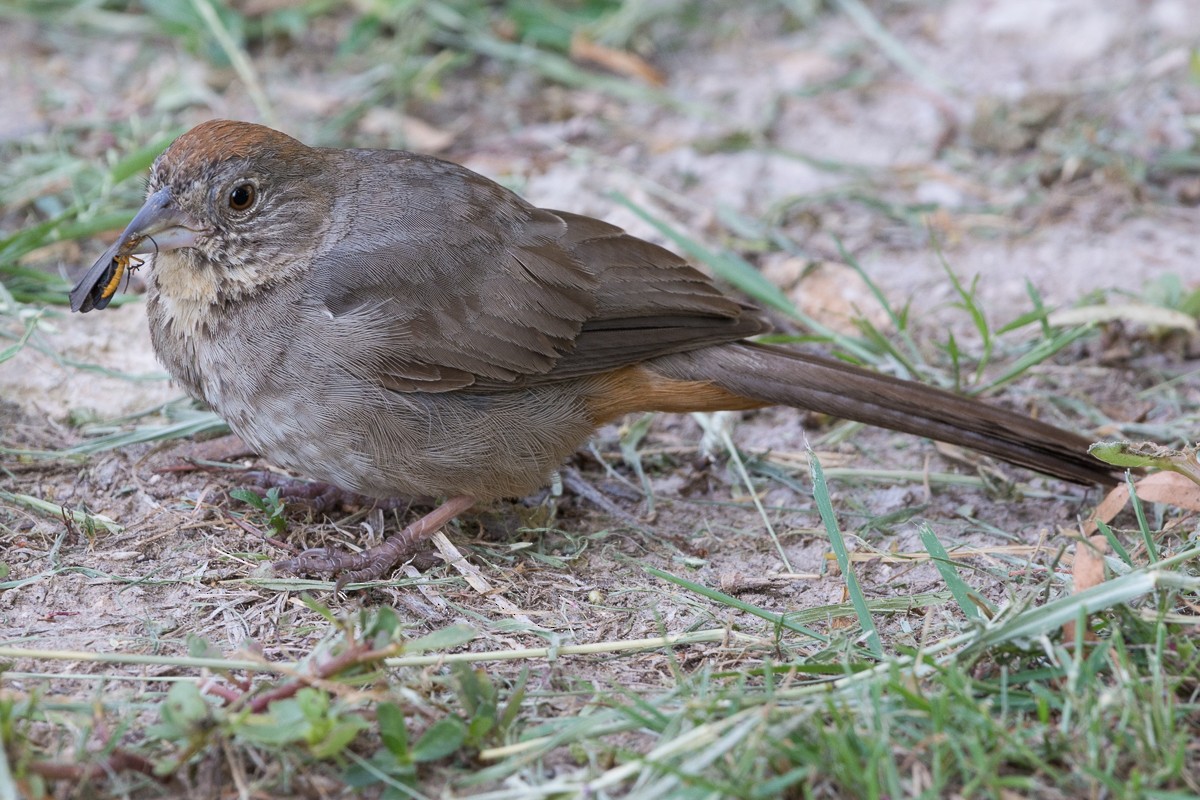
(324, 497)
(372, 564)
(320, 497)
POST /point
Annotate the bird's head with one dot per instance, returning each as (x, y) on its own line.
(231, 206)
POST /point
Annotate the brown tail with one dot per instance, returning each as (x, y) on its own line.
(771, 375)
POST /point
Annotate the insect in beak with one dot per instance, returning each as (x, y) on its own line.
(101, 282)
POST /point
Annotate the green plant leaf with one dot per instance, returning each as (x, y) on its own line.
(393, 731)
(339, 737)
(181, 714)
(440, 740)
(443, 639)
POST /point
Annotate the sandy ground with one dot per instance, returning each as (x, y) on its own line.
(1057, 199)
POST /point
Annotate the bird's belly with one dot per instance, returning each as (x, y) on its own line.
(307, 409)
(385, 444)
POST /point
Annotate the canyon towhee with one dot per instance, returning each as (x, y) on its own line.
(394, 324)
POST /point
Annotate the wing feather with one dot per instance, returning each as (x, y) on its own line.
(465, 285)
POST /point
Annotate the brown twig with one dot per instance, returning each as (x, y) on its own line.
(118, 761)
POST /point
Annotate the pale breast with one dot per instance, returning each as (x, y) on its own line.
(279, 371)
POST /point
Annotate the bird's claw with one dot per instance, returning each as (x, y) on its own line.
(369, 565)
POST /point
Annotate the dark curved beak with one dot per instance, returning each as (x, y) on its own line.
(158, 226)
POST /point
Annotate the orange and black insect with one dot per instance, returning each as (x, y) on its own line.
(101, 282)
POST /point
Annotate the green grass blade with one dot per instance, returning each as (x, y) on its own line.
(1043, 351)
(899, 321)
(1115, 543)
(825, 507)
(741, 605)
(949, 571)
(1140, 513)
(1053, 615)
(191, 425)
(30, 325)
(54, 510)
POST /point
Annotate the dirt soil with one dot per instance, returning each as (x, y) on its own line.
(1021, 146)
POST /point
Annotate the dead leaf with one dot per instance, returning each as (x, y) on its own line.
(1087, 571)
(416, 134)
(1137, 313)
(1170, 488)
(474, 577)
(1004, 126)
(1108, 508)
(621, 62)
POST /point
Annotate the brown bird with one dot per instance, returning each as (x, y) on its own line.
(394, 324)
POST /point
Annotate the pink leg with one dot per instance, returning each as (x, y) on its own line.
(371, 564)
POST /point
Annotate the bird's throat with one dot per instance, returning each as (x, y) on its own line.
(192, 290)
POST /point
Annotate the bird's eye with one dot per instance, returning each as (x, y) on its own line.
(242, 196)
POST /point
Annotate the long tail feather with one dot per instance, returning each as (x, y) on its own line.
(779, 376)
